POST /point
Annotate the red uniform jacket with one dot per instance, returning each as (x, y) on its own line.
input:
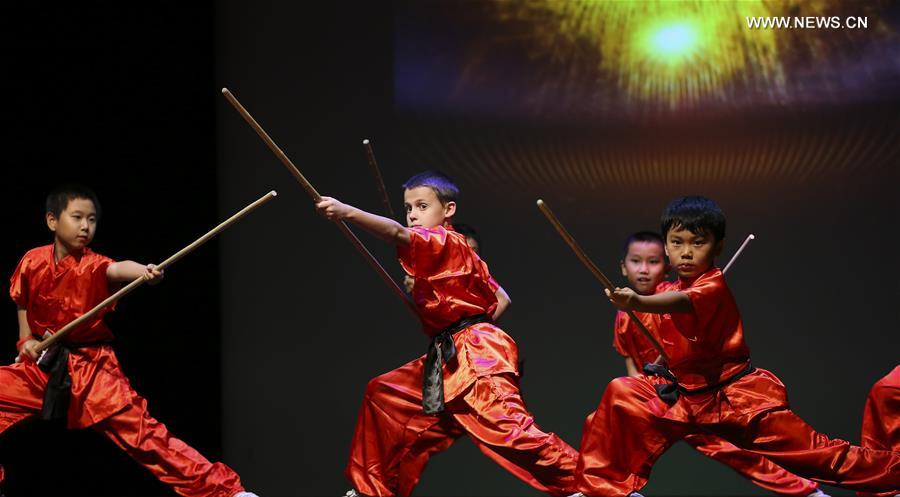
(630, 342)
(452, 282)
(53, 294)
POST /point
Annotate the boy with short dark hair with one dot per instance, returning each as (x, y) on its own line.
(52, 286)
(467, 382)
(645, 266)
(709, 385)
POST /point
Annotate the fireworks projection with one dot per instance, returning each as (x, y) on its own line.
(600, 94)
(566, 58)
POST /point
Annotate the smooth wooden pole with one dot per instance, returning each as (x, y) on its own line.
(739, 250)
(597, 273)
(342, 226)
(370, 157)
(59, 335)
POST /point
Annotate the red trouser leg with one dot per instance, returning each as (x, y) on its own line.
(394, 440)
(496, 419)
(21, 395)
(627, 434)
(623, 438)
(432, 435)
(778, 434)
(627, 469)
(21, 392)
(881, 418)
(170, 460)
(785, 439)
(757, 469)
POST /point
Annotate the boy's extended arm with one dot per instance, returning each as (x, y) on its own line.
(503, 303)
(128, 271)
(660, 303)
(387, 229)
(631, 368)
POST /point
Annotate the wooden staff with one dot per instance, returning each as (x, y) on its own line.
(342, 226)
(739, 250)
(596, 271)
(59, 335)
(370, 156)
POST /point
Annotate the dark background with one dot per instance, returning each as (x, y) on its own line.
(256, 349)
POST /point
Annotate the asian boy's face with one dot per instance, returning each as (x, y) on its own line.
(645, 266)
(76, 224)
(689, 253)
(423, 208)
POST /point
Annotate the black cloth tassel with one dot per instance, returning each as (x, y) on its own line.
(440, 351)
(59, 385)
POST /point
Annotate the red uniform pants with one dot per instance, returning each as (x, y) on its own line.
(881, 418)
(754, 467)
(143, 438)
(394, 439)
(632, 427)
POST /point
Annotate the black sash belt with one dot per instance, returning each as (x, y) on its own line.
(440, 350)
(669, 392)
(59, 385)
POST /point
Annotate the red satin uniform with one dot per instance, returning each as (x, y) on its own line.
(394, 439)
(632, 426)
(630, 342)
(881, 418)
(55, 293)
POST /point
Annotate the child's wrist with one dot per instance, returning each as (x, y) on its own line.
(23, 341)
(352, 213)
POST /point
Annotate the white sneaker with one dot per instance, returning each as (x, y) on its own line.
(352, 493)
(818, 493)
(245, 494)
(635, 494)
(577, 494)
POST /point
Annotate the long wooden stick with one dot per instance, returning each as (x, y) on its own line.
(342, 226)
(59, 335)
(370, 156)
(597, 273)
(739, 250)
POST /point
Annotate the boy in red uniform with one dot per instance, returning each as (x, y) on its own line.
(55, 284)
(474, 241)
(419, 409)
(881, 418)
(644, 265)
(709, 385)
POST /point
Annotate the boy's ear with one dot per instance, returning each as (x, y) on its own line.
(622, 265)
(450, 209)
(51, 221)
(717, 251)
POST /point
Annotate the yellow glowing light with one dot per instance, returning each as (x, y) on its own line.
(668, 53)
(672, 42)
